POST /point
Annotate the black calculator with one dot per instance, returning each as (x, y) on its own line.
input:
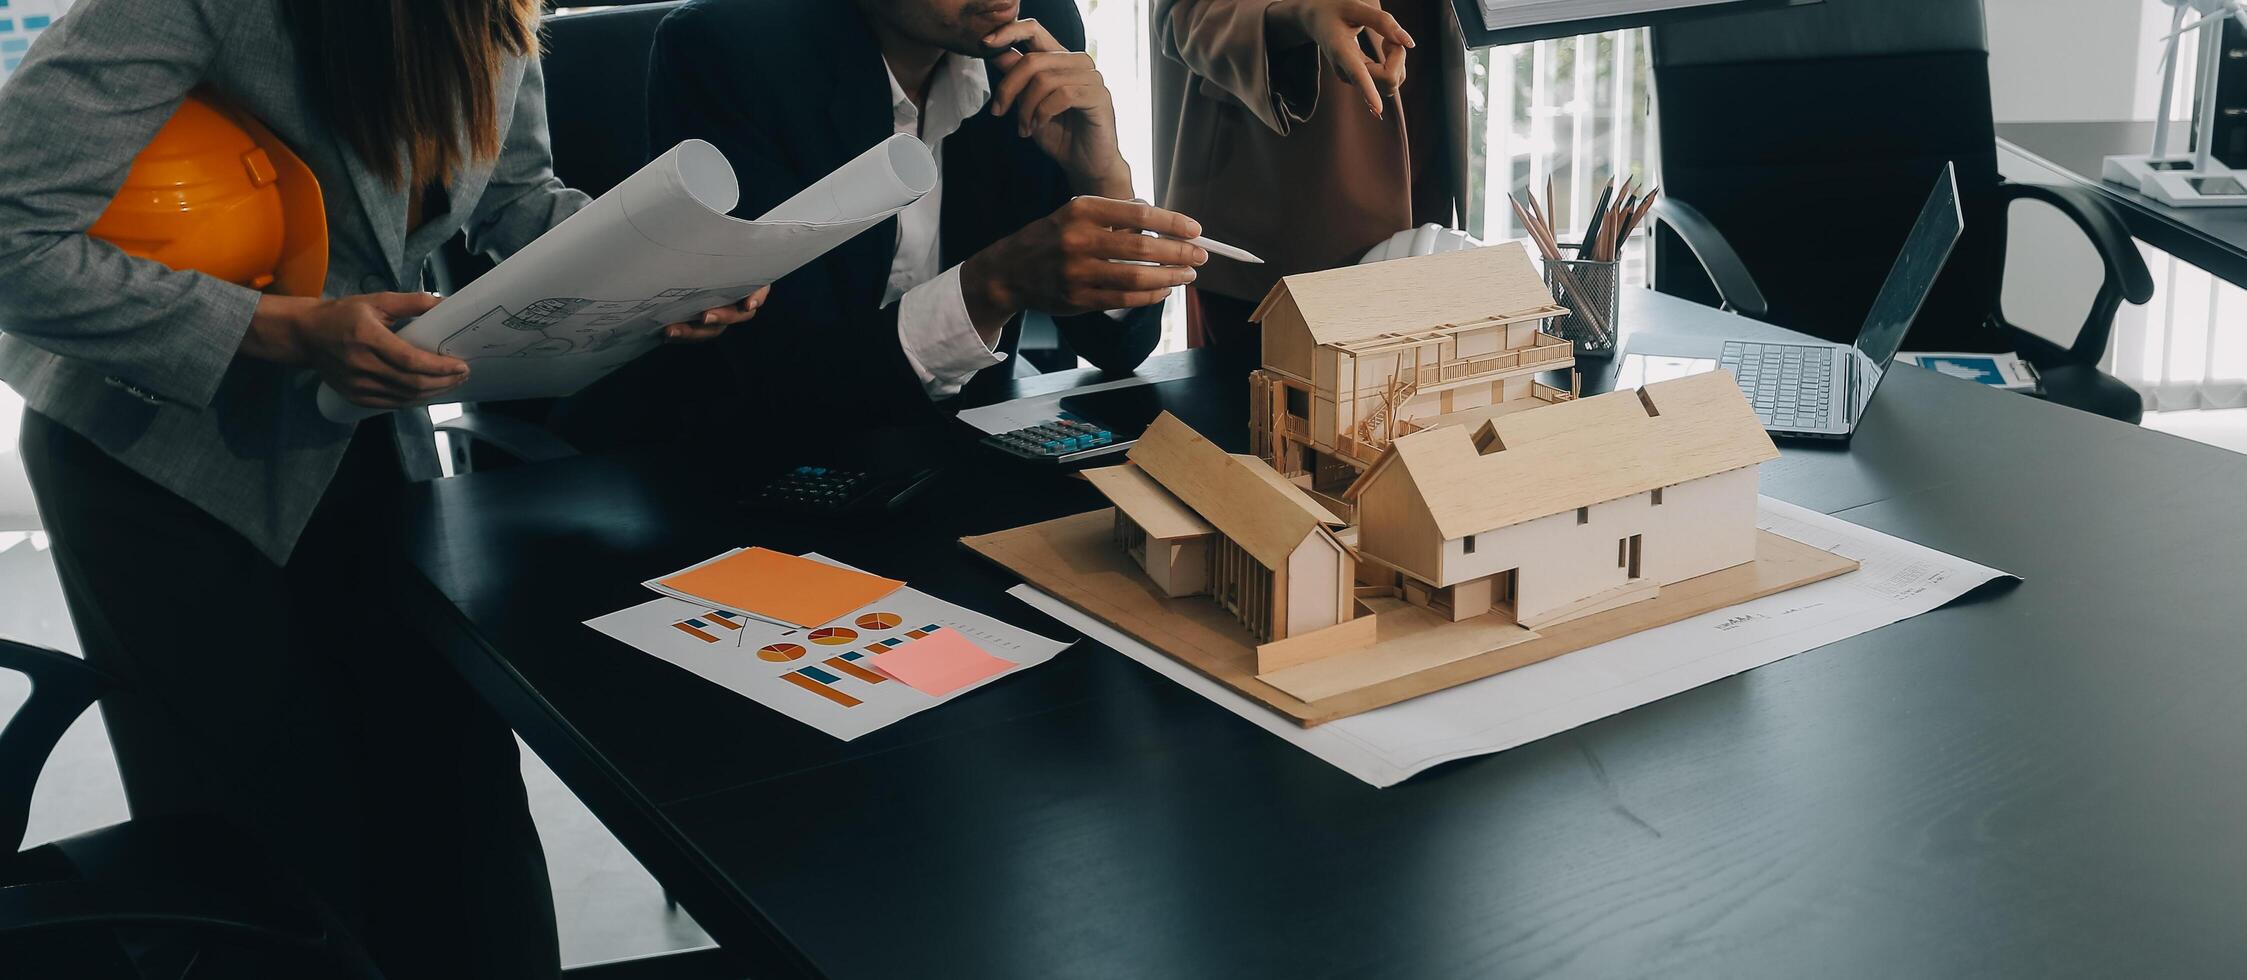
(831, 491)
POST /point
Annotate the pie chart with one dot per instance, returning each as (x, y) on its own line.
(780, 653)
(879, 621)
(832, 636)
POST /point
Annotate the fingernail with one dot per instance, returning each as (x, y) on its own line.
(1192, 275)
(1200, 257)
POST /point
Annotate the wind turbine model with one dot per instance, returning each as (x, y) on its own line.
(2197, 180)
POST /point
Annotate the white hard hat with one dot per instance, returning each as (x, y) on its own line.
(1424, 240)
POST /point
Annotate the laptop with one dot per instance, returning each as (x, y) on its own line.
(1819, 390)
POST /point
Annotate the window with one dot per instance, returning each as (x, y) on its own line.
(1573, 111)
(1583, 515)
(23, 21)
(1622, 552)
(1657, 496)
(1298, 402)
(1470, 544)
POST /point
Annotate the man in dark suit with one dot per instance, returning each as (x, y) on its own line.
(1032, 210)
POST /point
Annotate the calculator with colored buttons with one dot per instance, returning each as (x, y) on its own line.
(1066, 438)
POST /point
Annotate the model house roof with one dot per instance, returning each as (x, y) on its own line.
(1163, 516)
(1575, 454)
(1267, 516)
(1492, 284)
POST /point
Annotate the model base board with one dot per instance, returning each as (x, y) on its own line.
(1408, 652)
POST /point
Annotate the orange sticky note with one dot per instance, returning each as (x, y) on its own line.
(781, 586)
(939, 663)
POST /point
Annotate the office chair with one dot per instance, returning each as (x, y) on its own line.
(61, 903)
(1797, 146)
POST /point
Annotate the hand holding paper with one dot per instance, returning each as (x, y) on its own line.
(660, 249)
(349, 343)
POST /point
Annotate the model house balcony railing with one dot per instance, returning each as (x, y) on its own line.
(1547, 393)
(1545, 350)
(1368, 449)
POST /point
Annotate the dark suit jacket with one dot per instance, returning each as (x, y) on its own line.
(790, 90)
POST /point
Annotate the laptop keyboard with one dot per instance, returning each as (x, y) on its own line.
(1790, 385)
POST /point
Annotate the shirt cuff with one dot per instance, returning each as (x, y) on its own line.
(939, 339)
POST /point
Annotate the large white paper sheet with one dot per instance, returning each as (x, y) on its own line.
(731, 653)
(1386, 746)
(592, 293)
(1023, 413)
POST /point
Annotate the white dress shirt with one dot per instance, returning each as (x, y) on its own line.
(932, 322)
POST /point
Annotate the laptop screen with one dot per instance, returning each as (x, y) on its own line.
(1909, 283)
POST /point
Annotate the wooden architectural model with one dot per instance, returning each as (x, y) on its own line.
(1493, 521)
(1542, 516)
(1203, 522)
(1357, 357)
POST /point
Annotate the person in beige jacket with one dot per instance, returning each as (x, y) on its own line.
(1305, 131)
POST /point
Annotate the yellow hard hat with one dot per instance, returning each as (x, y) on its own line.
(218, 193)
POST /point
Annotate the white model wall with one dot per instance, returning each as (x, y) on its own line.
(1700, 527)
(1314, 586)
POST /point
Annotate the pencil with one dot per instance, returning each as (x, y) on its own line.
(1599, 217)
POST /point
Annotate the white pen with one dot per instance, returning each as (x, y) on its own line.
(1216, 247)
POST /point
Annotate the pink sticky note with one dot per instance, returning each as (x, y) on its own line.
(939, 663)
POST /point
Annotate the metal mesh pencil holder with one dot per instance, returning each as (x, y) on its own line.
(1590, 291)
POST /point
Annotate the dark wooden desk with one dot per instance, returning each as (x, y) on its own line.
(2214, 239)
(2042, 780)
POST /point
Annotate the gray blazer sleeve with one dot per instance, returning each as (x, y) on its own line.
(86, 101)
(524, 198)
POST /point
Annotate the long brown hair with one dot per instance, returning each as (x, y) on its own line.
(411, 85)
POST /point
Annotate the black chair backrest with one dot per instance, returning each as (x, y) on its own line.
(1810, 136)
(597, 92)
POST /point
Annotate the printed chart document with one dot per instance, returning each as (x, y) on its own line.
(1386, 746)
(826, 676)
(786, 590)
(2005, 370)
(592, 293)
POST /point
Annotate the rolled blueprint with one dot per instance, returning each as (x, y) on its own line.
(596, 291)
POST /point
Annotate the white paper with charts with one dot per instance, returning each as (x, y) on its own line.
(1386, 746)
(592, 293)
(819, 676)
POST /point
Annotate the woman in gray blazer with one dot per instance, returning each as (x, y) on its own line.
(219, 541)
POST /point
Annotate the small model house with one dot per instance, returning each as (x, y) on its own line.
(1573, 509)
(1202, 521)
(1357, 357)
